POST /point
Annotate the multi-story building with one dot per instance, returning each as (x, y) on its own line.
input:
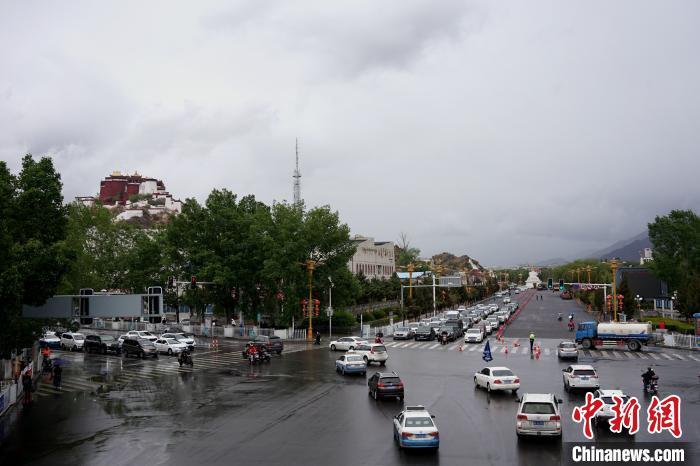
(372, 259)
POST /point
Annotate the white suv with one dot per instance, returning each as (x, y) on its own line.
(372, 352)
(538, 415)
(142, 334)
(606, 413)
(580, 376)
(71, 341)
(474, 335)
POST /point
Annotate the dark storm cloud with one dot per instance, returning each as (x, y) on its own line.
(511, 132)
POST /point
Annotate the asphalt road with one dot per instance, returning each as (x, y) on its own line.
(297, 410)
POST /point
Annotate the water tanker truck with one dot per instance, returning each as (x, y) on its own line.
(634, 334)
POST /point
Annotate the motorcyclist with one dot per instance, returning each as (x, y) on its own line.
(183, 357)
(443, 336)
(318, 338)
(251, 350)
(648, 376)
(377, 339)
(571, 325)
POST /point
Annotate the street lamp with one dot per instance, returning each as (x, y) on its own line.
(330, 306)
(310, 264)
(639, 302)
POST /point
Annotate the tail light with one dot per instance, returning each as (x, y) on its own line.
(399, 385)
(554, 418)
(405, 435)
(522, 417)
(380, 385)
(497, 382)
(434, 434)
(516, 381)
(594, 376)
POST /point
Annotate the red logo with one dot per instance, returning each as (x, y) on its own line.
(626, 416)
(665, 415)
(586, 412)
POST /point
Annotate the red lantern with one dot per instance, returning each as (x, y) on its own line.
(280, 295)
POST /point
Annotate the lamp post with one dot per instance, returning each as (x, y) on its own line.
(588, 271)
(310, 264)
(613, 269)
(410, 269)
(330, 306)
(639, 303)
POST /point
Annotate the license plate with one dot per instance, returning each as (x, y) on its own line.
(507, 381)
(537, 423)
(418, 435)
(584, 378)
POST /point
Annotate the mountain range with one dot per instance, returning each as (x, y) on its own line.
(628, 249)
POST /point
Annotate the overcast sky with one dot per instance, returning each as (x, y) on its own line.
(512, 132)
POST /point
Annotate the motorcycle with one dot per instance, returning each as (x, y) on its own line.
(185, 359)
(571, 326)
(652, 388)
(264, 356)
(443, 339)
(253, 358)
(378, 339)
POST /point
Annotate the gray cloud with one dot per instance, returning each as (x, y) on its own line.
(512, 132)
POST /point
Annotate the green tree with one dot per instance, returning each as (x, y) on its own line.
(676, 242)
(32, 253)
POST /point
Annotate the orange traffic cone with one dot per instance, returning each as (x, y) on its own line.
(506, 350)
(461, 347)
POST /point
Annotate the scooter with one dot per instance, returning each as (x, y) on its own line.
(264, 356)
(185, 359)
(443, 339)
(571, 326)
(652, 388)
(253, 358)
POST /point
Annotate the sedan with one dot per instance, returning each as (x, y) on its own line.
(50, 340)
(346, 343)
(170, 346)
(403, 333)
(351, 364)
(142, 334)
(497, 378)
(474, 335)
(567, 349)
(182, 338)
(414, 428)
(580, 376)
(605, 413)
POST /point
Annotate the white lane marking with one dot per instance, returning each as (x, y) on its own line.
(693, 358)
(434, 346)
(642, 356)
(678, 356)
(596, 353)
(629, 355)
(654, 356)
(525, 350)
(546, 351)
(667, 356)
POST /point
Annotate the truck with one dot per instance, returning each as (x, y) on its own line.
(634, 334)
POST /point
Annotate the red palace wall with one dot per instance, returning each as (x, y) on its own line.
(112, 189)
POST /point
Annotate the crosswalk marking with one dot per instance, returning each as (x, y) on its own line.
(642, 356)
(693, 358)
(546, 351)
(667, 356)
(678, 356)
(629, 355)
(434, 346)
(654, 356)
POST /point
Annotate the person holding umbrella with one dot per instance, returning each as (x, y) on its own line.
(57, 372)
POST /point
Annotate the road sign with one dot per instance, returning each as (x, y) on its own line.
(329, 312)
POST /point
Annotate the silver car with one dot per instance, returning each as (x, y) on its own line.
(567, 349)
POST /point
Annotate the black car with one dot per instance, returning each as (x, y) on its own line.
(457, 330)
(140, 347)
(449, 330)
(101, 344)
(385, 385)
(424, 333)
(273, 343)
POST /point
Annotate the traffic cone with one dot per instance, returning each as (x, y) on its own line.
(506, 350)
(461, 347)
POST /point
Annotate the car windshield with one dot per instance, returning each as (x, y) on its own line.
(538, 408)
(474, 331)
(419, 422)
(380, 348)
(502, 373)
(145, 342)
(568, 345)
(390, 380)
(354, 358)
(401, 329)
(171, 341)
(446, 329)
(78, 336)
(148, 334)
(584, 372)
(107, 338)
(608, 400)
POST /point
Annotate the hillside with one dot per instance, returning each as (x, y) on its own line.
(455, 264)
(629, 249)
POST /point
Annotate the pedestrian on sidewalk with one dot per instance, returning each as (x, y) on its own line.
(27, 387)
(57, 372)
(532, 340)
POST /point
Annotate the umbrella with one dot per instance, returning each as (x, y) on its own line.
(59, 362)
(487, 352)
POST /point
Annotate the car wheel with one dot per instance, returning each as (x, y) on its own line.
(401, 399)
(476, 384)
(351, 348)
(567, 388)
(342, 371)
(366, 360)
(332, 347)
(170, 351)
(488, 387)
(382, 363)
(514, 391)
(104, 350)
(279, 352)
(374, 395)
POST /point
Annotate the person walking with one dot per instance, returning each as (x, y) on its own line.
(532, 340)
(27, 387)
(57, 372)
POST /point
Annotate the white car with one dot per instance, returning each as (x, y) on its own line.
(414, 428)
(606, 413)
(506, 300)
(497, 378)
(580, 376)
(142, 334)
(50, 340)
(487, 327)
(403, 333)
(346, 343)
(474, 335)
(120, 340)
(170, 346)
(182, 338)
(372, 352)
(351, 363)
(538, 415)
(72, 341)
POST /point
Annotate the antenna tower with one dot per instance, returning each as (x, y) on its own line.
(297, 178)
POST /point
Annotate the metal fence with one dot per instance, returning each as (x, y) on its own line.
(678, 340)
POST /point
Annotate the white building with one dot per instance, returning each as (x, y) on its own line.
(373, 259)
(647, 256)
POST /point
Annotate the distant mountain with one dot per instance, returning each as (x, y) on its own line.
(454, 264)
(629, 250)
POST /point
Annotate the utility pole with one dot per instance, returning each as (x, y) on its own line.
(330, 307)
(297, 177)
(613, 268)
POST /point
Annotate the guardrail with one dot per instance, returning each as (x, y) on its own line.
(679, 340)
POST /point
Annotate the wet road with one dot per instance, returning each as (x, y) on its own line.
(297, 410)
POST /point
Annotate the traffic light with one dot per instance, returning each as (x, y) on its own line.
(317, 307)
(561, 284)
(549, 283)
(193, 282)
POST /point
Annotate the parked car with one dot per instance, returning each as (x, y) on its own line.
(497, 378)
(580, 376)
(346, 343)
(605, 413)
(425, 333)
(121, 339)
(414, 428)
(538, 415)
(170, 346)
(567, 349)
(72, 341)
(386, 385)
(474, 335)
(351, 363)
(403, 333)
(50, 340)
(273, 343)
(140, 347)
(182, 338)
(101, 344)
(142, 334)
(372, 352)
